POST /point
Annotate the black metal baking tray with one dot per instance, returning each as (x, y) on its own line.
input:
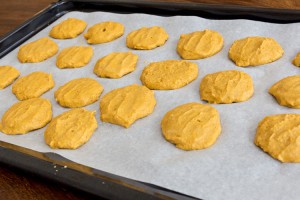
(56, 168)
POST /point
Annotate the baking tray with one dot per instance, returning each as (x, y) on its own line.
(100, 183)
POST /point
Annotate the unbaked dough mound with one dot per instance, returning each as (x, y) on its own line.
(191, 126)
(253, 51)
(287, 91)
(104, 32)
(26, 116)
(69, 28)
(123, 106)
(147, 38)
(169, 74)
(71, 129)
(226, 87)
(278, 135)
(199, 44)
(37, 51)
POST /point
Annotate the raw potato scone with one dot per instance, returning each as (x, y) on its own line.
(278, 135)
(199, 44)
(226, 87)
(37, 51)
(33, 85)
(74, 57)
(253, 51)
(169, 74)
(287, 91)
(7, 75)
(104, 32)
(296, 60)
(123, 106)
(26, 116)
(71, 129)
(78, 93)
(191, 126)
(69, 28)
(116, 65)
(147, 38)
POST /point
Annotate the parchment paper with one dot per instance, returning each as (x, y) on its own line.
(234, 168)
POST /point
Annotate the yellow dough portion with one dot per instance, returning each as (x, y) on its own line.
(71, 129)
(296, 60)
(37, 51)
(199, 44)
(191, 126)
(253, 51)
(78, 93)
(123, 106)
(74, 57)
(287, 91)
(7, 75)
(169, 74)
(226, 87)
(33, 85)
(104, 32)
(278, 135)
(26, 116)
(147, 38)
(116, 65)
(69, 28)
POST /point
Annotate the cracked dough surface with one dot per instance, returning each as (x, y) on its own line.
(116, 65)
(104, 32)
(253, 51)
(69, 28)
(71, 129)
(37, 51)
(32, 85)
(278, 135)
(199, 44)
(287, 91)
(26, 116)
(78, 93)
(191, 126)
(147, 38)
(226, 87)
(169, 74)
(123, 106)
(74, 57)
(7, 76)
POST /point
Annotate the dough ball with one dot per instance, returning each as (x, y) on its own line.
(191, 126)
(104, 32)
(296, 60)
(69, 28)
(37, 51)
(7, 76)
(33, 85)
(78, 93)
(287, 91)
(278, 135)
(116, 65)
(253, 51)
(147, 38)
(123, 106)
(26, 116)
(199, 44)
(74, 57)
(169, 74)
(71, 129)
(226, 87)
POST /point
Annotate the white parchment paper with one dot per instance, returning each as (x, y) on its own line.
(234, 168)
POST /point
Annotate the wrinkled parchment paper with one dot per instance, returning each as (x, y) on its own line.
(234, 168)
